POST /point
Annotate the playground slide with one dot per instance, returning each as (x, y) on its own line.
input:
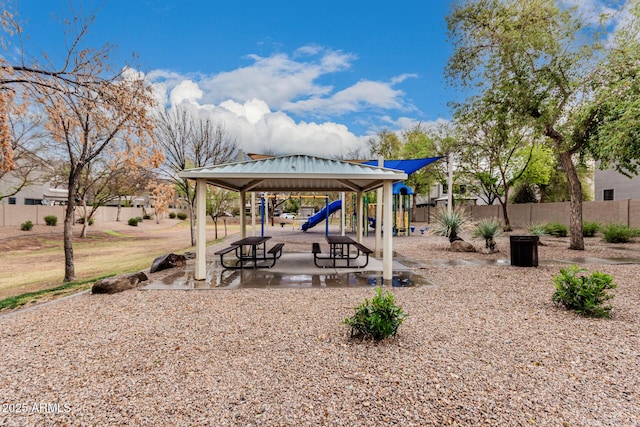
(321, 215)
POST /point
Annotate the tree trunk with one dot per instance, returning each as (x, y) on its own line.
(85, 222)
(575, 220)
(192, 220)
(119, 207)
(69, 268)
(543, 193)
(505, 209)
(192, 224)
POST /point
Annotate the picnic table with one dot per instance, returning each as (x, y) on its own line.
(340, 252)
(251, 252)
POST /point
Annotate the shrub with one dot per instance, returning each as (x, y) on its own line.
(26, 226)
(81, 220)
(584, 294)
(537, 229)
(182, 216)
(589, 229)
(139, 218)
(377, 318)
(450, 224)
(618, 233)
(133, 222)
(172, 215)
(51, 220)
(488, 229)
(146, 216)
(556, 229)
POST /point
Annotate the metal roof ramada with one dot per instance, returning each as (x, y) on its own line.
(295, 173)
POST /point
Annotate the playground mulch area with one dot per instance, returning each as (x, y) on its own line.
(483, 345)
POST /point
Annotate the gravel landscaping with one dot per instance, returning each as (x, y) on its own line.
(484, 345)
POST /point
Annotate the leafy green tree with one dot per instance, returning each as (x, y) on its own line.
(610, 120)
(539, 171)
(417, 143)
(386, 144)
(543, 61)
(496, 147)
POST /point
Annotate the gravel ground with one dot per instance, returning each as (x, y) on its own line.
(482, 346)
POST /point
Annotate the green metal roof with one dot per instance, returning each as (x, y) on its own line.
(295, 173)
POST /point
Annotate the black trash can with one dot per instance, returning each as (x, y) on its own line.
(524, 251)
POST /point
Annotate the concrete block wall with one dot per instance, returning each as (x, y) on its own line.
(626, 212)
(14, 215)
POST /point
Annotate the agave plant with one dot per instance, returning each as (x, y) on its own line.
(538, 229)
(488, 229)
(450, 224)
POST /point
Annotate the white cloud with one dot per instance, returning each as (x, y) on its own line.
(595, 12)
(186, 90)
(277, 79)
(256, 103)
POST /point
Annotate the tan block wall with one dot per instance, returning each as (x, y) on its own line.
(625, 212)
(14, 215)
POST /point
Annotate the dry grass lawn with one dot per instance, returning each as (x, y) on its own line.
(34, 260)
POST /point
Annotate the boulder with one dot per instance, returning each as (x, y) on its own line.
(461, 246)
(113, 285)
(164, 262)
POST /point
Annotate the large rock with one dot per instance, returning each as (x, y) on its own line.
(113, 285)
(461, 246)
(164, 262)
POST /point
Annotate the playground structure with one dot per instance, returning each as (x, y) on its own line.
(400, 210)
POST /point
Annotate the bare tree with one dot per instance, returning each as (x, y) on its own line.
(19, 80)
(26, 145)
(191, 139)
(107, 180)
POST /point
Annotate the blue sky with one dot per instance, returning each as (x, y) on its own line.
(285, 77)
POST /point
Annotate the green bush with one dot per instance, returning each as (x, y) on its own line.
(133, 222)
(377, 318)
(26, 226)
(51, 220)
(139, 218)
(172, 215)
(556, 229)
(146, 216)
(584, 294)
(182, 216)
(589, 229)
(618, 233)
(81, 220)
(488, 229)
(537, 229)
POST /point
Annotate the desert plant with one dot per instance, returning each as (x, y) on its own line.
(133, 222)
(182, 216)
(51, 220)
(488, 229)
(589, 229)
(377, 318)
(146, 216)
(584, 294)
(450, 224)
(537, 229)
(172, 215)
(26, 226)
(619, 233)
(556, 229)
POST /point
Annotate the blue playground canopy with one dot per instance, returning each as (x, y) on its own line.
(402, 188)
(408, 166)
